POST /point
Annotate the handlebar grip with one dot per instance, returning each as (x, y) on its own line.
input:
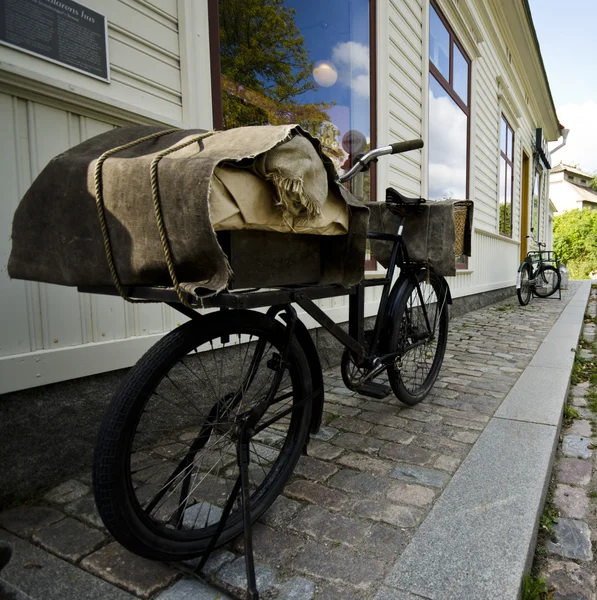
(399, 147)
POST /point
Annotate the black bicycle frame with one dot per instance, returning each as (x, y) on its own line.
(354, 339)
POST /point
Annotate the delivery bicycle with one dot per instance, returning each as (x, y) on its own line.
(538, 275)
(206, 429)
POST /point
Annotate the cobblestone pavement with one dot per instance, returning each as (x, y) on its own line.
(569, 567)
(372, 474)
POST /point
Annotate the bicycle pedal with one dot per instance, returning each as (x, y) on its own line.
(374, 390)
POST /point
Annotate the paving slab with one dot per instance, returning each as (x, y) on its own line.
(555, 355)
(140, 576)
(569, 580)
(476, 541)
(26, 520)
(37, 575)
(544, 405)
(69, 539)
(577, 446)
(191, 589)
(572, 540)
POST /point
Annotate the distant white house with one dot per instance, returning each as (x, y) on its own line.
(570, 188)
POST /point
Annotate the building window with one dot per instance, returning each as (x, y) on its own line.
(583, 181)
(536, 207)
(506, 186)
(449, 101)
(301, 61)
(570, 178)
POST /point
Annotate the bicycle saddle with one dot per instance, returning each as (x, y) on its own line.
(395, 197)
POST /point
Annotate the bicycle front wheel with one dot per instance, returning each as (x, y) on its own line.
(547, 281)
(165, 464)
(420, 333)
(523, 284)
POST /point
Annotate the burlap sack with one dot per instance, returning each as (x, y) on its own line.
(56, 231)
(236, 203)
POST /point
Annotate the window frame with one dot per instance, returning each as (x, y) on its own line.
(449, 89)
(509, 162)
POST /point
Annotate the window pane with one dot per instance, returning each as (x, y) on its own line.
(503, 128)
(502, 180)
(502, 193)
(510, 152)
(460, 82)
(439, 44)
(508, 206)
(300, 61)
(447, 145)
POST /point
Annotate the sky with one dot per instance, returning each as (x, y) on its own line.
(568, 41)
(337, 32)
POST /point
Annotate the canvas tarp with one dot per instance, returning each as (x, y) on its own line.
(57, 237)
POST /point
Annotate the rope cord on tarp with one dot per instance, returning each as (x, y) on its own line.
(155, 194)
(99, 200)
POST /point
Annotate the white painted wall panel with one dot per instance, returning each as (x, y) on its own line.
(15, 337)
(44, 317)
(144, 53)
(402, 110)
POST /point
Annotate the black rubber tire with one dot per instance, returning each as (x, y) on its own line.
(149, 388)
(550, 278)
(351, 374)
(408, 321)
(524, 291)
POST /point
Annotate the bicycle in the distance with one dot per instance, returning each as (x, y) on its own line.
(537, 274)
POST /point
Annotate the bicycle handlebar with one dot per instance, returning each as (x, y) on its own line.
(363, 161)
(536, 241)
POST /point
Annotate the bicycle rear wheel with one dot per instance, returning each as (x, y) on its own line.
(523, 285)
(420, 333)
(165, 464)
(547, 281)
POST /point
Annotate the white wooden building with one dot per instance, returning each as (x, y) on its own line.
(570, 188)
(162, 71)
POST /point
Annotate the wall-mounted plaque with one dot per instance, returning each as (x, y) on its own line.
(61, 31)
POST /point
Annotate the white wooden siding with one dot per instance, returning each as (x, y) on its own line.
(43, 317)
(144, 53)
(402, 111)
(491, 266)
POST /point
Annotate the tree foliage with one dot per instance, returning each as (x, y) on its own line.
(265, 66)
(594, 183)
(575, 241)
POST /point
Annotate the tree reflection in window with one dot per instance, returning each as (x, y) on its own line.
(300, 61)
(506, 183)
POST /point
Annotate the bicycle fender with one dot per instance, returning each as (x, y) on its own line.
(306, 341)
